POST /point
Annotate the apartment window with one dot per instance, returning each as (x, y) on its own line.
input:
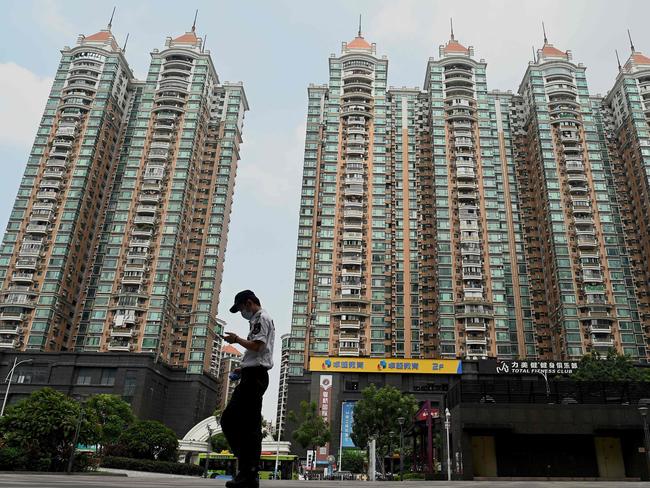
(108, 377)
(84, 376)
(130, 382)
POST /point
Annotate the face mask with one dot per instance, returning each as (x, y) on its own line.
(247, 314)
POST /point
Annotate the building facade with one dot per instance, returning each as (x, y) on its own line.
(154, 390)
(456, 222)
(577, 250)
(283, 390)
(230, 360)
(117, 238)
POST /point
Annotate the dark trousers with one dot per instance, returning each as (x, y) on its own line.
(241, 421)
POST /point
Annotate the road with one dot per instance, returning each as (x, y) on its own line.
(161, 481)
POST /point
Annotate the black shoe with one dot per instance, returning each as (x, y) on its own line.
(244, 480)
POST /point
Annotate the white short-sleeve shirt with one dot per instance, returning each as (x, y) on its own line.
(261, 329)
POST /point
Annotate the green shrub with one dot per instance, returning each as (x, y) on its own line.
(151, 466)
(413, 476)
(13, 459)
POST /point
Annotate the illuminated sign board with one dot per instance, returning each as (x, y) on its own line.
(385, 365)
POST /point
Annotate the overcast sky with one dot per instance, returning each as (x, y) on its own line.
(277, 48)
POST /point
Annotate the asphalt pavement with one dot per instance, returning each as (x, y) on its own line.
(150, 480)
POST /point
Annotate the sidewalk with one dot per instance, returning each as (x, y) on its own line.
(145, 474)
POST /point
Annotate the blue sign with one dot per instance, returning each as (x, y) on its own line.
(347, 419)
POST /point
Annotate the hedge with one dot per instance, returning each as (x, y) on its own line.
(151, 466)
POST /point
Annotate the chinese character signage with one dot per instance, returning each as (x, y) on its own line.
(347, 419)
(324, 408)
(526, 367)
(381, 365)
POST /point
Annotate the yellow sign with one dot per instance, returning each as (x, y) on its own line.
(386, 365)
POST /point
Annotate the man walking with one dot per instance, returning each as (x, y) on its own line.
(241, 421)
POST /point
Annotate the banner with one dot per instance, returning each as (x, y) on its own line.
(381, 365)
(493, 366)
(347, 420)
(324, 408)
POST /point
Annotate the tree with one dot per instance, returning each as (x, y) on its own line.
(114, 416)
(376, 414)
(353, 460)
(312, 430)
(218, 443)
(613, 367)
(40, 429)
(149, 439)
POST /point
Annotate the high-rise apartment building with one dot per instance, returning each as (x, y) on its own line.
(456, 222)
(475, 289)
(583, 295)
(339, 300)
(624, 115)
(230, 360)
(411, 241)
(283, 390)
(117, 238)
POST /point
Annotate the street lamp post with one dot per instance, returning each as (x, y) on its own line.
(643, 410)
(75, 440)
(447, 428)
(208, 450)
(9, 378)
(400, 421)
(391, 434)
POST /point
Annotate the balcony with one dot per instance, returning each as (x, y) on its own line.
(475, 327)
(27, 263)
(59, 154)
(151, 186)
(348, 351)
(354, 214)
(47, 195)
(592, 277)
(50, 184)
(353, 260)
(36, 229)
(8, 316)
(475, 339)
(576, 177)
(353, 191)
(574, 166)
(119, 346)
(163, 126)
(475, 350)
(602, 341)
(19, 277)
(133, 279)
(53, 173)
(139, 243)
(585, 241)
(146, 209)
(8, 343)
(123, 332)
(149, 198)
(160, 145)
(350, 324)
(144, 220)
(30, 250)
(472, 274)
(12, 300)
(9, 330)
(56, 163)
(142, 232)
(465, 173)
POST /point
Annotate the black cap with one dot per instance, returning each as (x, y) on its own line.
(240, 298)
